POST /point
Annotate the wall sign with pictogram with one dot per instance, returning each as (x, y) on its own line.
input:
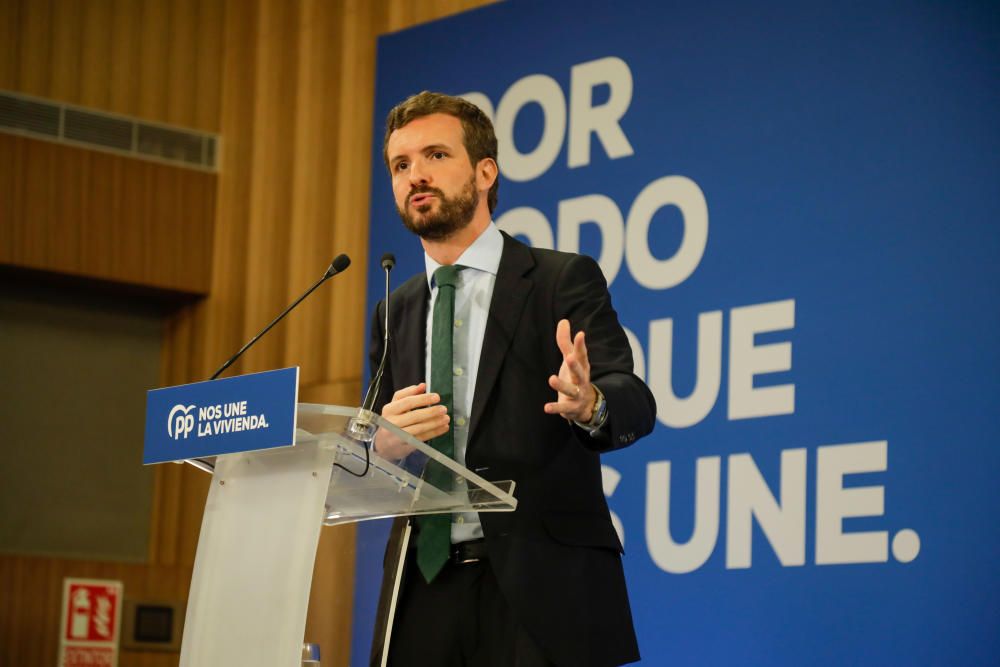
(90, 623)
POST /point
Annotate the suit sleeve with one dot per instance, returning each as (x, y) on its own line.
(582, 297)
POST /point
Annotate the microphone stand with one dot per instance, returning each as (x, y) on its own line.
(360, 427)
(338, 265)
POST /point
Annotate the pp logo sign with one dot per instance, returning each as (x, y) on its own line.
(180, 421)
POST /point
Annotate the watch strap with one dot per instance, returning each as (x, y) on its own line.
(599, 413)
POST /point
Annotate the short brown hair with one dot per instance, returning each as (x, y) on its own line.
(478, 136)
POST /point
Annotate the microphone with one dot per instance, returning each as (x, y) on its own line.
(388, 262)
(338, 265)
(361, 427)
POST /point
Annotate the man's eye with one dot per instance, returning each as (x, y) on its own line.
(400, 166)
(437, 155)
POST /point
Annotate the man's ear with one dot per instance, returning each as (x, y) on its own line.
(486, 173)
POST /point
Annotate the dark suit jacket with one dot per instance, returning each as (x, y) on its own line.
(557, 558)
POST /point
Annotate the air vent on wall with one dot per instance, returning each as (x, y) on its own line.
(28, 116)
(64, 123)
(94, 128)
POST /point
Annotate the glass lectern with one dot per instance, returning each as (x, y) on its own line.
(253, 570)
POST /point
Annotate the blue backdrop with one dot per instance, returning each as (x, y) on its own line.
(796, 205)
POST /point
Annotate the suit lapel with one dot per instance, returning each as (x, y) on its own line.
(410, 333)
(510, 294)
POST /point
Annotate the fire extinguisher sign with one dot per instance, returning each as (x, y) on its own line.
(91, 619)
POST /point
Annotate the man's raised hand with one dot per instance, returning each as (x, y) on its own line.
(575, 395)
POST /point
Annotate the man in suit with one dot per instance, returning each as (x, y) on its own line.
(521, 398)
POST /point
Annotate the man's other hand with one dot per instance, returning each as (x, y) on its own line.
(415, 411)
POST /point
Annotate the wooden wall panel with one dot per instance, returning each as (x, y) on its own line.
(10, 25)
(95, 53)
(34, 56)
(181, 74)
(271, 179)
(206, 84)
(154, 26)
(311, 216)
(347, 319)
(98, 215)
(289, 85)
(124, 34)
(155, 59)
(29, 607)
(64, 48)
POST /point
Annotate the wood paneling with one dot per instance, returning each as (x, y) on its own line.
(32, 594)
(98, 215)
(95, 53)
(155, 59)
(290, 86)
(10, 26)
(124, 35)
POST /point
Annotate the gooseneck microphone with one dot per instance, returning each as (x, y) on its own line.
(388, 262)
(338, 265)
(361, 426)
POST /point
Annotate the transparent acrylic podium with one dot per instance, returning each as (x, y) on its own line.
(257, 547)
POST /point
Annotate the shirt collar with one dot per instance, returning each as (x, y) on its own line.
(482, 255)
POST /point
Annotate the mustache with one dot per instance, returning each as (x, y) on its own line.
(421, 190)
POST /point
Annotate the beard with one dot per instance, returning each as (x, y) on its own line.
(453, 213)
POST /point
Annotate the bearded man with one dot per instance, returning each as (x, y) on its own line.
(484, 366)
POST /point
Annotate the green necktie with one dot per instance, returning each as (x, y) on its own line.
(434, 538)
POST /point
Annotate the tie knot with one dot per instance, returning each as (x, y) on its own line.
(447, 275)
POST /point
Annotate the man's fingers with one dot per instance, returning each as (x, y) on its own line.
(416, 412)
(573, 375)
(580, 374)
(408, 403)
(563, 409)
(563, 337)
(419, 401)
(568, 389)
(417, 417)
(428, 430)
(412, 390)
(571, 370)
(580, 347)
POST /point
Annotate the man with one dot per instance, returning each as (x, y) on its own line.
(520, 398)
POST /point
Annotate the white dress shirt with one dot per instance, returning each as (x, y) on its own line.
(473, 294)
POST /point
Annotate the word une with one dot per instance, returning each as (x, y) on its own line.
(781, 517)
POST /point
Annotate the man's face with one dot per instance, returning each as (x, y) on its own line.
(433, 181)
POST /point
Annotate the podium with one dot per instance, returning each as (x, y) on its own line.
(256, 550)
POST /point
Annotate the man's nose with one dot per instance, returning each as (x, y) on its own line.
(418, 174)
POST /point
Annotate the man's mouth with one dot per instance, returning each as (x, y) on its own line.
(421, 198)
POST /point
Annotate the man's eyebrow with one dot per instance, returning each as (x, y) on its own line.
(426, 149)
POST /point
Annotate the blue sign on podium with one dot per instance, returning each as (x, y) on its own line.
(237, 414)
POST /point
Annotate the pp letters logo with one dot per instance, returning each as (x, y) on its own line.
(180, 421)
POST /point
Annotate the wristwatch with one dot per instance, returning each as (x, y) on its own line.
(599, 415)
